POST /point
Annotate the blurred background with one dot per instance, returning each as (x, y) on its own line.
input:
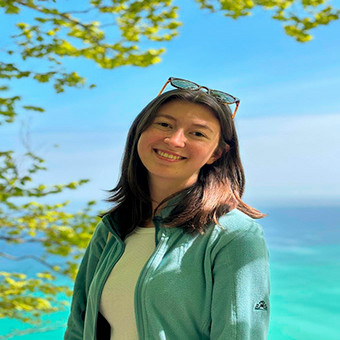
(288, 124)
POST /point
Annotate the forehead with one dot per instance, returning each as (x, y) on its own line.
(182, 110)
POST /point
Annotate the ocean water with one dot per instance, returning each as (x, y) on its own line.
(304, 247)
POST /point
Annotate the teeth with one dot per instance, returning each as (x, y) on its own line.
(166, 155)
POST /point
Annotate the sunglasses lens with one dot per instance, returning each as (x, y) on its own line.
(184, 84)
(224, 97)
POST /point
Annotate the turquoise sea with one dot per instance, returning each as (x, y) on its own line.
(304, 247)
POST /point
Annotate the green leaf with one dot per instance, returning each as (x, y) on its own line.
(33, 108)
(12, 9)
(42, 78)
(22, 25)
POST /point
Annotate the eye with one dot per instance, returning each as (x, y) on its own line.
(198, 134)
(163, 124)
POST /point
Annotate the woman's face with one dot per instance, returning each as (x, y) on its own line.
(182, 138)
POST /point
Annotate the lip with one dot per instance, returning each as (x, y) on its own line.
(170, 153)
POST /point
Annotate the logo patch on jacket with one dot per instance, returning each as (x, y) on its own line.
(261, 306)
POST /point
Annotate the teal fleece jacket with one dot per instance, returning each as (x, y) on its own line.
(212, 286)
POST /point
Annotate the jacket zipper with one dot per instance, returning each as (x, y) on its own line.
(140, 288)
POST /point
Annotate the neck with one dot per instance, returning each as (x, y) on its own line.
(160, 189)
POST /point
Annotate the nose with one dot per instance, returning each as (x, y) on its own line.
(176, 139)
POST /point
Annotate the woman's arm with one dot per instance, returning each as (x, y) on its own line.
(75, 324)
(241, 288)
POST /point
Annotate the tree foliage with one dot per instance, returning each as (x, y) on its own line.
(63, 237)
(124, 32)
(299, 16)
(53, 34)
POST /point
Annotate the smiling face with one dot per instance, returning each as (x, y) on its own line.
(182, 138)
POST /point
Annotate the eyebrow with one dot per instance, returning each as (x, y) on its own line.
(202, 126)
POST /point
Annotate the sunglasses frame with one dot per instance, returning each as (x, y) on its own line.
(170, 80)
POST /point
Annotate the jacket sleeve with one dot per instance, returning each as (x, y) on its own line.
(75, 324)
(241, 288)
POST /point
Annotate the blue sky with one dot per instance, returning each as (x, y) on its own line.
(288, 120)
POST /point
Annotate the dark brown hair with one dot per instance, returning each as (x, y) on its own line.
(219, 187)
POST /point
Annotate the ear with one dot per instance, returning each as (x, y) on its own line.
(217, 154)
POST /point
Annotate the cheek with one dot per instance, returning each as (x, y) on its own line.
(143, 144)
(140, 147)
(147, 138)
(203, 150)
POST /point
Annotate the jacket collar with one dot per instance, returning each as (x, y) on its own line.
(169, 206)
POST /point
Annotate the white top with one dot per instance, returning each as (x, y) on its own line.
(117, 300)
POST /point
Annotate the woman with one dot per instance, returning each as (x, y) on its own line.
(179, 256)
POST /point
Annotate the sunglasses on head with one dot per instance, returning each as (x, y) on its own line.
(183, 84)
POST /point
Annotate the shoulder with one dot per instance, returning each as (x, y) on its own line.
(235, 222)
(99, 238)
(100, 231)
(238, 229)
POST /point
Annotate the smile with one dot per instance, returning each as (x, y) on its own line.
(168, 155)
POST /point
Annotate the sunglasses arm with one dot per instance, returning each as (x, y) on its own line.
(168, 81)
(237, 104)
